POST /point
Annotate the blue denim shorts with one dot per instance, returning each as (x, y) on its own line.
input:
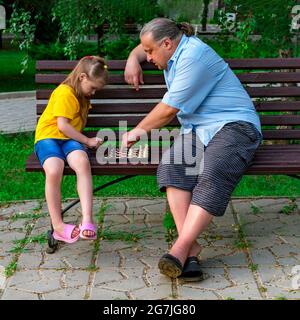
(58, 148)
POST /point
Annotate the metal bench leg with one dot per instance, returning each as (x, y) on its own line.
(52, 243)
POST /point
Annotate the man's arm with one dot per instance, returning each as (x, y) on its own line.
(161, 115)
(133, 72)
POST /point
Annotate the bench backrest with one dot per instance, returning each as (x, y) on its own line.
(273, 85)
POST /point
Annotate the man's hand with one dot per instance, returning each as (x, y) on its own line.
(131, 137)
(133, 73)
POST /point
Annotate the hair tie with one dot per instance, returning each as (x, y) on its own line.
(88, 57)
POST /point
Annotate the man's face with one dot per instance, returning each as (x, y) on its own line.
(159, 52)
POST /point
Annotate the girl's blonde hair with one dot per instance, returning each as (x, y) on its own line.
(96, 69)
(93, 66)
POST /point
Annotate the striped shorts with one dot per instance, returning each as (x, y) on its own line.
(218, 167)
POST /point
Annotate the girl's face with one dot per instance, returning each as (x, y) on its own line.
(88, 86)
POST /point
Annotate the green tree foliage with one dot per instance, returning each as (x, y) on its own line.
(270, 19)
(78, 18)
(69, 21)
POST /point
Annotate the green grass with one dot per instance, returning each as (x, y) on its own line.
(11, 79)
(16, 184)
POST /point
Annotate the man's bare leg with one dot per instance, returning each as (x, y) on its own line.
(179, 203)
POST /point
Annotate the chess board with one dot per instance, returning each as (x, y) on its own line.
(139, 153)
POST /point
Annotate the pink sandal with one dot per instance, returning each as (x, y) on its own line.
(88, 227)
(67, 234)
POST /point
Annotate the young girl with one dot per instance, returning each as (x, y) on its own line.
(58, 139)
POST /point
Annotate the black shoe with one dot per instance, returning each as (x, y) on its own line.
(170, 266)
(191, 270)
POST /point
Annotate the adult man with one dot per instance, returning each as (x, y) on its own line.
(213, 107)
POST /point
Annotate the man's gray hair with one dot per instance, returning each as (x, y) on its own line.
(162, 27)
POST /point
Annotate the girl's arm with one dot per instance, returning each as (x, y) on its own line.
(67, 129)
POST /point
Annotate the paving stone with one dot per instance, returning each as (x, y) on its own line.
(157, 209)
(12, 294)
(159, 292)
(137, 203)
(131, 284)
(108, 260)
(112, 219)
(98, 293)
(115, 208)
(30, 260)
(236, 259)
(268, 205)
(76, 293)
(289, 262)
(285, 250)
(70, 257)
(106, 276)
(36, 282)
(4, 225)
(187, 293)
(214, 278)
(154, 278)
(288, 230)
(108, 246)
(241, 292)
(269, 273)
(261, 242)
(261, 228)
(241, 276)
(274, 292)
(214, 252)
(262, 257)
(295, 240)
(2, 277)
(151, 218)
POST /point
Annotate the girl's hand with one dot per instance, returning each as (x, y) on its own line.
(94, 143)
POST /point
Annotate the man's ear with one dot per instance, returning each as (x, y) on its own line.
(168, 43)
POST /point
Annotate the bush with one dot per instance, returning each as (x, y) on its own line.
(120, 47)
(55, 51)
(52, 51)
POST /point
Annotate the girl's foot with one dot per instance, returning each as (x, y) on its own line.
(88, 231)
(66, 232)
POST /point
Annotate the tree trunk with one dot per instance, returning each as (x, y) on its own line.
(100, 33)
(205, 14)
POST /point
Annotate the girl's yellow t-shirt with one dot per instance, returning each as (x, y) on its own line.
(62, 103)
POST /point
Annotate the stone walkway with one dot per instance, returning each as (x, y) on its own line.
(249, 253)
(17, 114)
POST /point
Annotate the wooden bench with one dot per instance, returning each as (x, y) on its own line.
(273, 84)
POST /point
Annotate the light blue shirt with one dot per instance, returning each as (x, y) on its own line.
(205, 90)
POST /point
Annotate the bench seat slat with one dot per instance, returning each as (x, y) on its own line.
(145, 107)
(264, 163)
(276, 134)
(157, 93)
(263, 77)
(267, 63)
